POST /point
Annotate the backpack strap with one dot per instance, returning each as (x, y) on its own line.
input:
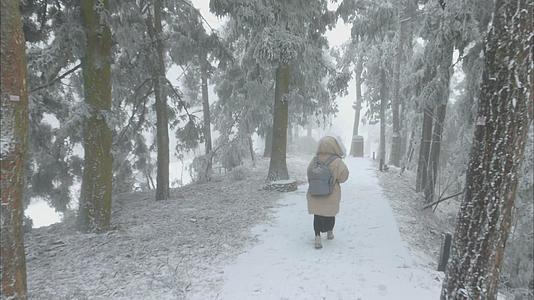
(330, 160)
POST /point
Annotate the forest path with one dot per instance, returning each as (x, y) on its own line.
(366, 260)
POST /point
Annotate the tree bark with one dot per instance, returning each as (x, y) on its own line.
(358, 103)
(383, 104)
(268, 143)
(396, 138)
(435, 147)
(439, 122)
(14, 132)
(505, 113)
(251, 149)
(206, 110)
(424, 148)
(277, 165)
(162, 123)
(95, 200)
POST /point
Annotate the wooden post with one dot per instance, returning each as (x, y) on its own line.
(445, 251)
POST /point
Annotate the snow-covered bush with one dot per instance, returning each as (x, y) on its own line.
(199, 170)
(238, 173)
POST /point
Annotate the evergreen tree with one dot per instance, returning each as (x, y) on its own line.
(279, 33)
(14, 135)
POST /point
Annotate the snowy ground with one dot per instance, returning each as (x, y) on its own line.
(366, 260)
(421, 229)
(156, 250)
(231, 240)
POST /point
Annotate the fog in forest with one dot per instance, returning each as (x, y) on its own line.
(265, 149)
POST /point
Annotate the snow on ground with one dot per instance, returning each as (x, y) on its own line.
(366, 260)
(156, 250)
(230, 239)
(422, 229)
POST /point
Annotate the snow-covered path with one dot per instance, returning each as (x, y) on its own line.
(366, 260)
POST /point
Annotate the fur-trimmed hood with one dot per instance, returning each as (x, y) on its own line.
(331, 145)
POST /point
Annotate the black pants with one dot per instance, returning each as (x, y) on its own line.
(323, 224)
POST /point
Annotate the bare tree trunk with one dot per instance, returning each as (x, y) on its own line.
(162, 129)
(383, 104)
(268, 143)
(250, 143)
(95, 200)
(358, 103)
(206, 111)
(433, 164)
(435, 148)
(277, 165)
(504, 115)
(424, 148)
(396, 138)
(251, 149)
(14, 132)
(407, 48)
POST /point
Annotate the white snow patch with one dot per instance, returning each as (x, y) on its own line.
(366, 260)
(41, 213)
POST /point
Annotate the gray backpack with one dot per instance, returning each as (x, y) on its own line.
(320, 178)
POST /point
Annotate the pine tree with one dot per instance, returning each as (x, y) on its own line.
(504, 115)
(286, 37)
(204, 69)
(14, 134)
(162, 120)
(95, 199)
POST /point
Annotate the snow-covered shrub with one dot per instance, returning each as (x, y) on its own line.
(232, 154)
(199, 170)
(238, 173)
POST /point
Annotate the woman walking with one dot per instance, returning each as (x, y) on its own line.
(325, 172)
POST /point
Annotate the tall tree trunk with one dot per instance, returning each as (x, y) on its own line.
(504, 115)
(409, 28)
(206, 110)
(433, 156)
(162, 123)
(424, 148)
(396, 138)
(404, 133)
(95, 200)
(409, 153)
(14, 132)
(358, 103)
(268, 142)
(251, 149)
(383, 104)
(444, 71)
(277, 165)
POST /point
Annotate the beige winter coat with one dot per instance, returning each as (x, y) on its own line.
(328, 206)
